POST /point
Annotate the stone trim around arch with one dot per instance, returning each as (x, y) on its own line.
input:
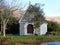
(25, 28)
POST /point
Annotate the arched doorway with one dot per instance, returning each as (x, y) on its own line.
(30, 29)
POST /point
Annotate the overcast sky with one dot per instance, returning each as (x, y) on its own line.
(51, 8)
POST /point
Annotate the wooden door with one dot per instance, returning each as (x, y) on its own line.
(30, 28)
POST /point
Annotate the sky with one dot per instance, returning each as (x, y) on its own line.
(50, 8)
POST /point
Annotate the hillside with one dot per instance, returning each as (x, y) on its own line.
(17, 12)
(53, 18)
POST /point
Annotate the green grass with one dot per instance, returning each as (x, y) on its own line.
(23, 38)
(31, 38)
(11, 39)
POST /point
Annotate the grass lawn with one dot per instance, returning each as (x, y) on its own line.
(10, 39)
(32, 37)
(35, 38)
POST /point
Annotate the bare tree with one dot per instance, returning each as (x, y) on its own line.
(6, 13)
(5, 16)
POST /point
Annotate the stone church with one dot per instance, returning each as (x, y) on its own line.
(26, 27)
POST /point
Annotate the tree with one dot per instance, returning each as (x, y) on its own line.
(34, 14)
(53, 27)
(6, 13)
(5, 16)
